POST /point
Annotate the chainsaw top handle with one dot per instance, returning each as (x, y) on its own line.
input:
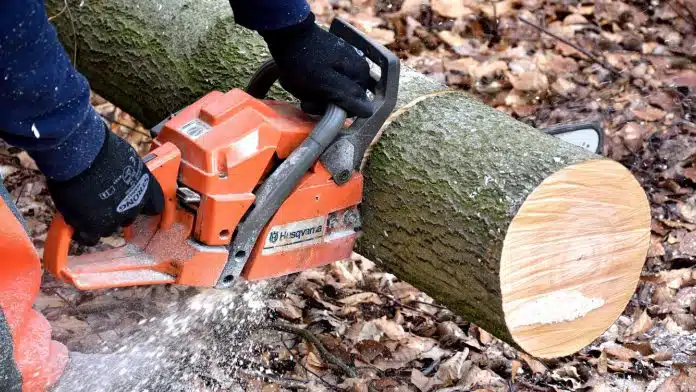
(346, 152)
(341, 151)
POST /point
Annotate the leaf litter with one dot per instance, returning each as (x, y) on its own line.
(639, 82)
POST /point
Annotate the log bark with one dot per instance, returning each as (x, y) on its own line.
(536, 241)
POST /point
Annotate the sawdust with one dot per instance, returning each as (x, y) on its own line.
(555, 307)
(198, 345)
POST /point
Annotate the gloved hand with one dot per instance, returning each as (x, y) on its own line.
(111, 193)
(319, 68)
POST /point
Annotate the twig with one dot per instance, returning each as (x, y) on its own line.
(401, 304)
(65, 7)
(19, 194)
(284, 382)
(429, 304)
(308, 336)
(574, 46)
(144, 133)
(74, 30)
(532, 386)
(68, 302)
(308, 370)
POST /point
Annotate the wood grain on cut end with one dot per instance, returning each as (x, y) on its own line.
(572, 257)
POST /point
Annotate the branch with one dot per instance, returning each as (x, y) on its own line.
(283, 382)
(308, 370)
(589, 55)
(72, 23)
(308, 336)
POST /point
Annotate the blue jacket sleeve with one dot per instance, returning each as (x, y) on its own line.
(44, 100)
(263, 15)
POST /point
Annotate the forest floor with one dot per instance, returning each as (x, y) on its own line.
(628, 65)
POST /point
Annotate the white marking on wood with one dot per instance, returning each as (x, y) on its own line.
(554, 307)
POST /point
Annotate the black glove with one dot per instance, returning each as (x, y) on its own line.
(111, 193)
(319, 68)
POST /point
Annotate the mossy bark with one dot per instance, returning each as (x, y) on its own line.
(442, 183)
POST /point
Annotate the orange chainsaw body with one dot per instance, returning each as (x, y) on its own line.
(218, 150)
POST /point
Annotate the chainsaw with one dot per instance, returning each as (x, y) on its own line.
(253, 188)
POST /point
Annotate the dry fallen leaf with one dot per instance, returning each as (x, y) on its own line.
(684, 78)
(529, 81)
(535, 365)
(26, 161)
(633, 134)
(362, 330)
(617, 351)
(454, 9)
(682, 382)
(361, 298)
(285, 309)
(383, 36)
(648, 113)
(391, 329)
(641, 325)
(412, 7)
(450, 38)
(406, 351)
(455, 368)
(370, 350)
(484, 337)
(602, 363)
(422, 382)
(687, 210)
(481, 378)
(656, 249)
(574, 19)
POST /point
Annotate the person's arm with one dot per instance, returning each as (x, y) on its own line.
(96, 179)
(44, 100)
(261, 15)
(315, 66)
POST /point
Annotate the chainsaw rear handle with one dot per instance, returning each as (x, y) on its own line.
(341, 151)
(163, 162)
(346, 152)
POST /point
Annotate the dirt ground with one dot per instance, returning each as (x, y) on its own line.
(626, 64)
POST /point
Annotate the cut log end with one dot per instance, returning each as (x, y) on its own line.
(572, 257)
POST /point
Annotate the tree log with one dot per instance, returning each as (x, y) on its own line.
(535, 240)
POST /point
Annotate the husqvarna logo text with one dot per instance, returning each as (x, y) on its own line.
(294, 235)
